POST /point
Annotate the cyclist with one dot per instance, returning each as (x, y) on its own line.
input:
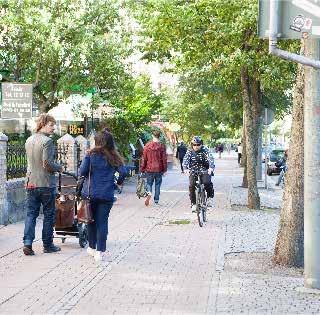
(198, 159)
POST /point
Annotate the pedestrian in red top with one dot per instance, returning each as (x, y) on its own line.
(154, 164)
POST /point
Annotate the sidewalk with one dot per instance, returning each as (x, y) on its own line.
(157, 266)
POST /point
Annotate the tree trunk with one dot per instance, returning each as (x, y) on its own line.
(251, 96)
(289, 250)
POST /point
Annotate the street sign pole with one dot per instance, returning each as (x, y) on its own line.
(312, 169)
(265, 150)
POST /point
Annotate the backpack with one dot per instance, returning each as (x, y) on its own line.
(141, 187)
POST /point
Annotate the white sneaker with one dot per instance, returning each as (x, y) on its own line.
(91, 251)
(210, 202)
(194, 208)
(99, 256)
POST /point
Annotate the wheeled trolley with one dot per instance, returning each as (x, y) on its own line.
(66, 210)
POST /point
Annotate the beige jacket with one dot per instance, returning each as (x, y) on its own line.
(41, 165)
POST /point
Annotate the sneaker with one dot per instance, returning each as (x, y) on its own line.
(91, 251)
(194, 208)
(51, 249)
(156, 202)
(99, 256)
(210, 202)
(147, 201)
(27, 250)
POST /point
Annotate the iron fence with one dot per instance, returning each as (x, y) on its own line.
(61, 155)
(17, 158)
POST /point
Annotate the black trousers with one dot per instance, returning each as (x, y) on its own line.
(181, 165)
(239, 158)
(208, 186)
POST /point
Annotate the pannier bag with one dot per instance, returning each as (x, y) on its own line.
(141, 187)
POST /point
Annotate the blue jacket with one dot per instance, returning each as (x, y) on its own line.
(101, 177)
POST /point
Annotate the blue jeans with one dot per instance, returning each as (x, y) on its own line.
(36, 197)
(157, 179)
(98, 230)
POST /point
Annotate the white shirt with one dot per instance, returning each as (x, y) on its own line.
(240, 149)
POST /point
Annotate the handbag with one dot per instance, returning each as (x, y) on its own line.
(84, 208)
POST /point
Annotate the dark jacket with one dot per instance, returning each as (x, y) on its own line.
(154, 158)
(181, 151)
(101, 177)
(198, 161)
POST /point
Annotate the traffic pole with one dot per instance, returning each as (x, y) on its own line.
(266, 148)
(312, 169)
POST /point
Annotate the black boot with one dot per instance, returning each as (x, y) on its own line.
(27, 250)
(51, 249)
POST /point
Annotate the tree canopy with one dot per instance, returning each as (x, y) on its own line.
(207, 42)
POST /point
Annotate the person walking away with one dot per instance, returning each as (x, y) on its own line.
(282, 163)
(41, 185)
(198, 160)
(239, 149)
(220, 150)
(181, 152)
(154, 164)
(101, 162)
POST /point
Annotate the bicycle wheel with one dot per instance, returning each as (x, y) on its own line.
(204, 206)
(199, 208)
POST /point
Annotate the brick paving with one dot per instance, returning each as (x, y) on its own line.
(155, 266)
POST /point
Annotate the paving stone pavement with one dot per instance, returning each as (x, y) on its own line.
(155, 266)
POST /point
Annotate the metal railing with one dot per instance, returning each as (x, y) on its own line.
(17, 158)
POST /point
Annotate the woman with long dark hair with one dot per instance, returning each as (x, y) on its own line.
(102, 162)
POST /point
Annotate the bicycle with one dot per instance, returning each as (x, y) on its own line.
(201, 200)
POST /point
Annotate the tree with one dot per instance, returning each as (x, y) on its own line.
(132, 116)
(289, 249)
(64, 47)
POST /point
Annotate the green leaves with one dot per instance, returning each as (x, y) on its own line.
(208, 41)
(60, 44)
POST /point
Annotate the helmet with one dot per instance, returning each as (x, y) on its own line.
(197, 140)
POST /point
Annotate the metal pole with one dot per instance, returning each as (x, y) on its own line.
(265, 148)
(259, 164)
(312, 169)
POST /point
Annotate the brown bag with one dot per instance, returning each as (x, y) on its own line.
(84, 209)
(64, 211)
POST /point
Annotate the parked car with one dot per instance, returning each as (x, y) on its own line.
(273, 157)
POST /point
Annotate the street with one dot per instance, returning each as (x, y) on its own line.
(156, 265)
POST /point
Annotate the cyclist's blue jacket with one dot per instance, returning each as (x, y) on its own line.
(198, 161)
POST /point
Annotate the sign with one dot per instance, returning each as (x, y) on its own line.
(297, 19)
(75, 130)
(16, 100)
